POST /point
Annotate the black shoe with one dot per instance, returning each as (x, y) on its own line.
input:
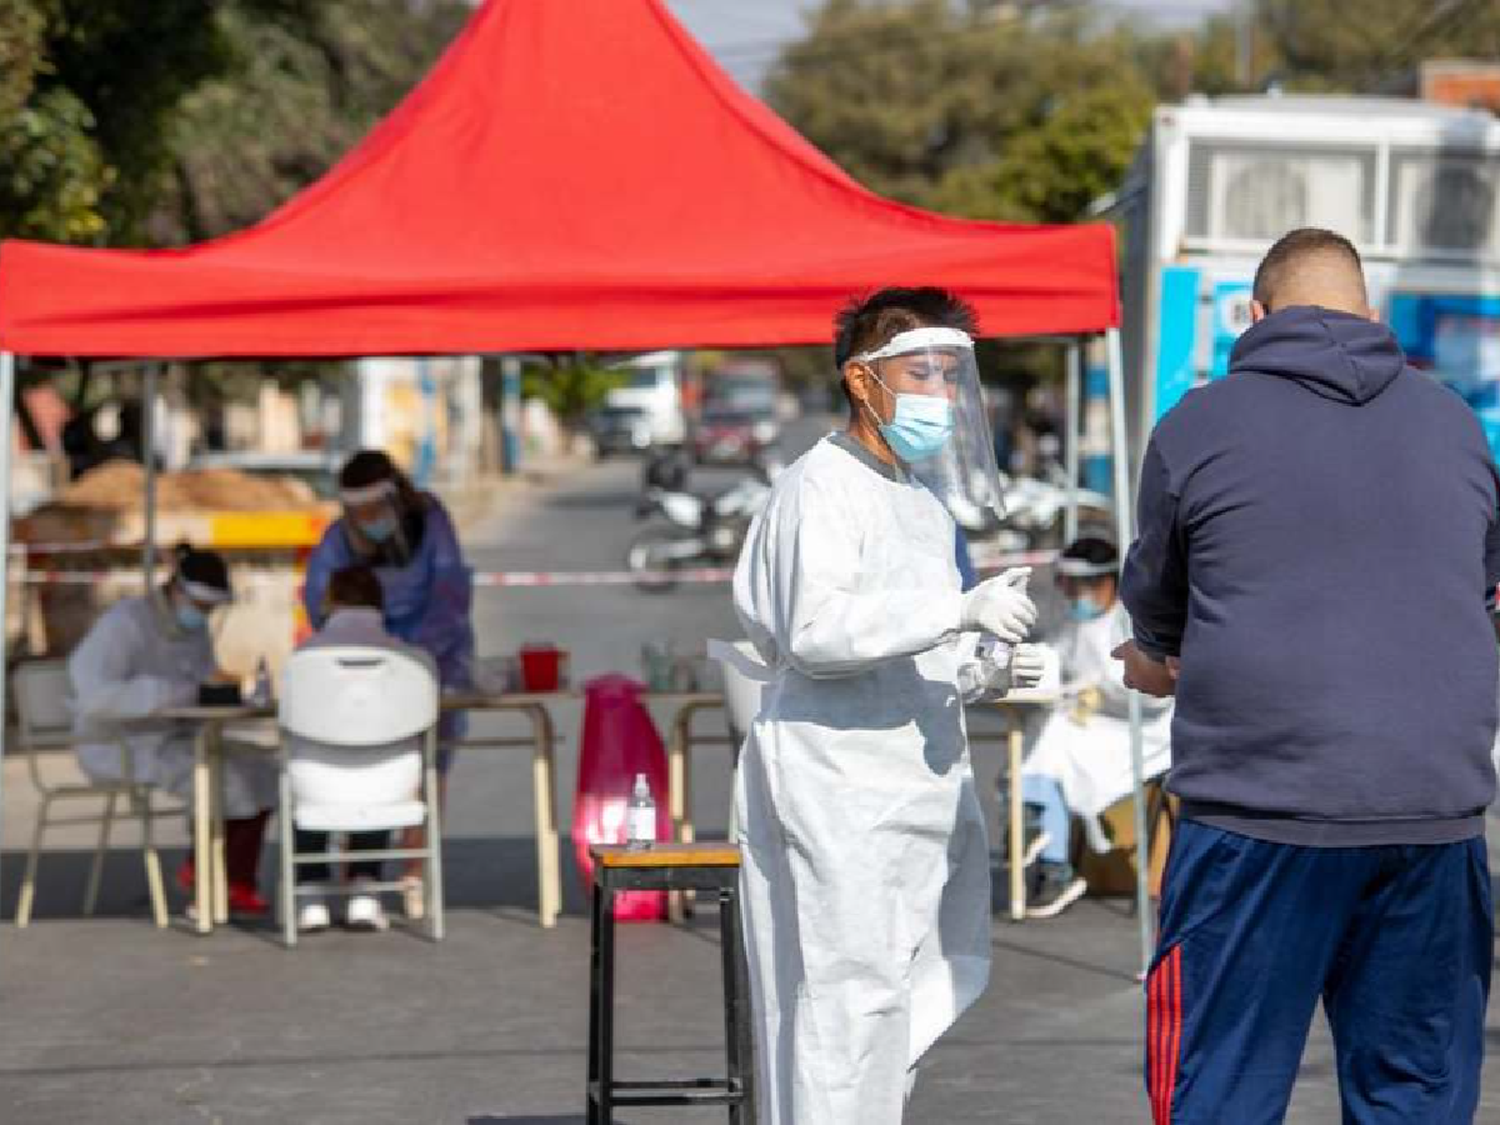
(1054, 889)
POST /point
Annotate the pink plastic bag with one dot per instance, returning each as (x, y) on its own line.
(619, 741)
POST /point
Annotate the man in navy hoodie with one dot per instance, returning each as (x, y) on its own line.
(1318, 548)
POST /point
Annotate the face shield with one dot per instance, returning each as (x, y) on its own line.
(373, 510)
(938, 428)
(192, 604)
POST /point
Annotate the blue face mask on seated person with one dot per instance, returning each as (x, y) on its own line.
(1083, 608)
(189, 617)
(378, 531)
(920, 428)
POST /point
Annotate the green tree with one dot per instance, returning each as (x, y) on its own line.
(298, 97)
(570, 387)
(129, 123)
(954, 108)
(1371, 46)
(52, 174)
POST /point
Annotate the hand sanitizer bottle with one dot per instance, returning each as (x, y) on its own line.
(640, 817)
(260, 694)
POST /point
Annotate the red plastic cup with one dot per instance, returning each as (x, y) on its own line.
(541, 667)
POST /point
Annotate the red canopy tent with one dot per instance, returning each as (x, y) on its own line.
(570, 175)
(577, 175)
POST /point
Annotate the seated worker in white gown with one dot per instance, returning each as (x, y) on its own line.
(1080, 762)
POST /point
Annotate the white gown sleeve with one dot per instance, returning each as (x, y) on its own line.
(104, 688)
(802, 597)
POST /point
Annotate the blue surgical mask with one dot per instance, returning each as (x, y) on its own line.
(920, 428)
(1083, 608)
(378, 531)
(190, 618)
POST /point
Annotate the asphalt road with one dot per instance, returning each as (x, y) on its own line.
(110, 1021)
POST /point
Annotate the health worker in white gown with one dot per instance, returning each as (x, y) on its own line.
(1080, 763)
(866, 880)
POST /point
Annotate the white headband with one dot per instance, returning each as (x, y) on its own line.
(1082, 568)
(202, 593)
(369, 493)
(920, 339)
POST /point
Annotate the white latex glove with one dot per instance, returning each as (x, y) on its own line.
(1028, 665)
(1001, 607)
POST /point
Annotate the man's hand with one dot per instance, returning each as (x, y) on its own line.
(1146, 675)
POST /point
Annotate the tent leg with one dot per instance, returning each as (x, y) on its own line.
(148, 457)
(7, 413)
(1121, 462)
(1070, 450)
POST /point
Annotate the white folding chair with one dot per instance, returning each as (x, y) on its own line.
(352, 719)
(43, 694)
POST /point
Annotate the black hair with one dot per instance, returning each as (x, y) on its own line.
(374, 466)
(206, 568)
(367, 467)
(1095, 551)
(1294, 248)
(871, 321)
(356, 586)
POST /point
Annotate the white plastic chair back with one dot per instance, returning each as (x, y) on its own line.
(43, 704)
(349, 695)
(355, 718)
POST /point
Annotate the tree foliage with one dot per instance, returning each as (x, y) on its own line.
(948, 107)
(129, 123)
(571, 386)
(1371, 46)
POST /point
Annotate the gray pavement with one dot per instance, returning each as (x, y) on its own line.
(109, 1020)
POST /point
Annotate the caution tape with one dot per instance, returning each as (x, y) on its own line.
(526, 580)
(536, 579)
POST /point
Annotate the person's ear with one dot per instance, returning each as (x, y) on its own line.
(857, 378)
(1258, 311)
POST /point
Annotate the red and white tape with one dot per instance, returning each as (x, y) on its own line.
(530, 579)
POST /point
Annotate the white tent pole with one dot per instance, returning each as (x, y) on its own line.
(148, 453)
(1070, 451)
(7, 415)
(1120, 455)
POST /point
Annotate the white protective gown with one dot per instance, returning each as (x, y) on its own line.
(866, 881)
(132, 664)
(1085, 742)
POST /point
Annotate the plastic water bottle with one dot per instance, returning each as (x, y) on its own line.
(260, 694)
(640, 816)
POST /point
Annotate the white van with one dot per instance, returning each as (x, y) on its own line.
(653, 393)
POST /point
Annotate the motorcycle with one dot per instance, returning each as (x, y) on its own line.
(1034, 510)
(698, 531)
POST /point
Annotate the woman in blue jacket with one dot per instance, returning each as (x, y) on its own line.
(408, 538)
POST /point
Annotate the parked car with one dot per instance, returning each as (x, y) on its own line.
(728, 434)
(619, 429)
(651, 385)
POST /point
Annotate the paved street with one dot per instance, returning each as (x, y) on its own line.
(111, 1021)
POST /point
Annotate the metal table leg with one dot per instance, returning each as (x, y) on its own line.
(203, 814)
(216, 800)
(1016, 743)
(544, 797)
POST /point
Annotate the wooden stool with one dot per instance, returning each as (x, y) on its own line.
(668, 867)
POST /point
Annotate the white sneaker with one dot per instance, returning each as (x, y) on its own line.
(313, 916)
(365, 913)
(1035, 849)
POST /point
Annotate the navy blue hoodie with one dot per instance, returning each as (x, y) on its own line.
(1319, 542)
